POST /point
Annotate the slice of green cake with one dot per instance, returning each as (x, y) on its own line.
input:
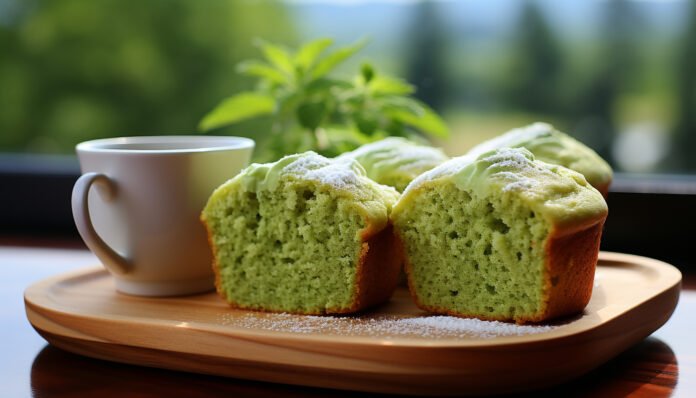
(396, 161)
(305, 234)
(552, 146)
(501, 236)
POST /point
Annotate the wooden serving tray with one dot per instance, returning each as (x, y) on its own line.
(81, 312)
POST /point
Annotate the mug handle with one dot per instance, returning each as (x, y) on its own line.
(80, 209)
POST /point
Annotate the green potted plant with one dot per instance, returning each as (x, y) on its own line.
(310, 109)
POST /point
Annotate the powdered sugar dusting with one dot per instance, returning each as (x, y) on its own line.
(479, 328)
(513, 138)
(418, 157)
(383, 326)
(518, 159)
(338, 173)
(396, 150)
(526, 184)
(515, 166)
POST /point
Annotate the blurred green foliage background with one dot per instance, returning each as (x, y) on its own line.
(618, 74)
(73, 70)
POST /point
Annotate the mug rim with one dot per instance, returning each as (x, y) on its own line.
(206, 143)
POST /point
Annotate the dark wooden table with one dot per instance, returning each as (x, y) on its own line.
(662, 365)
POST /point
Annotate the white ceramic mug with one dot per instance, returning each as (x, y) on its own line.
(137, 207)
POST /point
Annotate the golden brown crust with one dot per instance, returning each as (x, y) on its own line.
(570, 266)
(571, 259)
(377, 273)
(216, 267)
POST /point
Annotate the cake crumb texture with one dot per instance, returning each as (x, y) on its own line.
(481, 236)
(302, 235)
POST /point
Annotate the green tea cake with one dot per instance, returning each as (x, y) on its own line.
(305, 234)
(396, 161)
(501, 236)
(553, 146)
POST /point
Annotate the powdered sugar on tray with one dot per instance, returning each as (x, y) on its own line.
(431, 327)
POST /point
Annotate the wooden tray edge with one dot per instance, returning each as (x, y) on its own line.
(612, 336)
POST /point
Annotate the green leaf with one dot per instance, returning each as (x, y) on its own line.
(343, 139)
(367, 72)
(341, 133)
(308, 53)
(237, 108)
(365, 122)
(278, 57)
(328, 63)
(428, 122)
(310, 114)
(387, 85)
(324, 84)
(287, 103)
(398, 103)
(262, 70)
